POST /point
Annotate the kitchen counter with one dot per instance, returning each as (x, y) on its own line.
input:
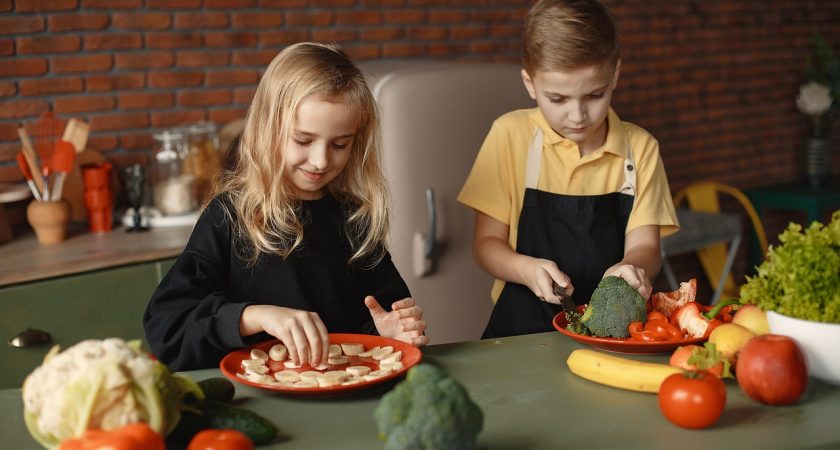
(530, 401)
(24, 259)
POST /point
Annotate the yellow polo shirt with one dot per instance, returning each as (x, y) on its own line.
(496, 184)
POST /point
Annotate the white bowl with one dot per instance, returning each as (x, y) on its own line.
(819, 341)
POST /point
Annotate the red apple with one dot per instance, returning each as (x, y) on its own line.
(771, 370)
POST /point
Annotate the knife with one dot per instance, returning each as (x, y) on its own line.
(565, 299)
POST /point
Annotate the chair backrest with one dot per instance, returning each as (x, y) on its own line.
(705, 196)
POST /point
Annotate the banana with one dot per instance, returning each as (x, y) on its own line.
(619, 372)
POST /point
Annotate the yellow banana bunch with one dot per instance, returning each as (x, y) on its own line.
(619, 372)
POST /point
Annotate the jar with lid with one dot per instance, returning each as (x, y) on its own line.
(174, 190)
(202, 159)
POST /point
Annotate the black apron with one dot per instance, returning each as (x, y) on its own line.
(582, 234)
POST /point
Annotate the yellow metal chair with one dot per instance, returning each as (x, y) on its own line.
(704, 196)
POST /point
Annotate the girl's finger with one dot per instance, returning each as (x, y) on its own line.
(413, 325)
(287, 340)
(301, 344)
(401, 304)
(419, 341)
(314, 340)
(412, 312)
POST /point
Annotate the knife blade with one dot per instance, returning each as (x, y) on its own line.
(565, 299)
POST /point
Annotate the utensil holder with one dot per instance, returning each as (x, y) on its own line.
(49, 220)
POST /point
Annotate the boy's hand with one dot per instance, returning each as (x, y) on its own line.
(302, 332)
(634, 276)
(540, 276)
(403, 322)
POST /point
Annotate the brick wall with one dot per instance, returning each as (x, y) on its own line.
(713, 80)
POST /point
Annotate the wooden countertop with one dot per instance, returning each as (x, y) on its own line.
(24, 259)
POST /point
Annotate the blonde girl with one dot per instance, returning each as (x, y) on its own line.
(293, 243)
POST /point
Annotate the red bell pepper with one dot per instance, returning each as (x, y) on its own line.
(136, 436)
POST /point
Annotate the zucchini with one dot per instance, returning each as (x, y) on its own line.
(217, 389)
(223, 415)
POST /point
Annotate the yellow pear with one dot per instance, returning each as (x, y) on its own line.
(752, 318)
(729, 338)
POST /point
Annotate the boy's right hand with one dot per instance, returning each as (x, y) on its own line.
(540, 275)
(302, 332)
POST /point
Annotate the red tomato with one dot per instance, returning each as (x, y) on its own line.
(220, 440)
(692, 399)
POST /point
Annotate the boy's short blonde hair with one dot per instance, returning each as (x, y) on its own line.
(569, 34)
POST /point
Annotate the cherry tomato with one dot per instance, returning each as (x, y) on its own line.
(692, 399)
(664, 329)
(220, 440)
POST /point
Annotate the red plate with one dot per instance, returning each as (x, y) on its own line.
(411, 355)
(626, 345)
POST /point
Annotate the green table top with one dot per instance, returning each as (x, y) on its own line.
(530, 401)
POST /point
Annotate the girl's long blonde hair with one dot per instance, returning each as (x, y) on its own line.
(267, 215)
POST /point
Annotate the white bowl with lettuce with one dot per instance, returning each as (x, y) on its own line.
(799, 287)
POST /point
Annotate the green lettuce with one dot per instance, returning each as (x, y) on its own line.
(801, 277)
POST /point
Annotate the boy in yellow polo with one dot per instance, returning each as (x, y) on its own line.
(566, 193)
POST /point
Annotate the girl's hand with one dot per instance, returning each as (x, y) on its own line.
(302, 332)
(403, 322)
(634, 276)
(540, 275)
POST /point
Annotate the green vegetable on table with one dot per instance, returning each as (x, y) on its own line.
(102, 384)
(614, 304)
(801, 277)
(428, 411)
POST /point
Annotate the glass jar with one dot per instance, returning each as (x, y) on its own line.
(174, 190)
(202, 158)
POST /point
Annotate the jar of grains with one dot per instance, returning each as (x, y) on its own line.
(202, 159)
(174, 190)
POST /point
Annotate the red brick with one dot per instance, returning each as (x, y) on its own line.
(173, 40)
(255, 20)
(8, 131)
(202, 19)
(282, 38)
(5, 5)
(136, 141)
(230, 4)
(448, 16)
(402, 50)
(442, 49)
(405, 16)
(363, 52)
(204, 97)
(81, 63)
(201, 58)
(232, 77)
(23, 108)
(7, 88)
(283, 4)
(333, 35)
(468, 32)
(48, 44)
(243, 95)
(175, 79)
(174, 118)
(112, 41)
(115, 82)
(44, 5)
(381, 34)
(21, 24)
(427, 33)
(103, 142)
(327, 4)
(359, 17)
(119, 121)
(7, 47)
(513, 31)
(141, 21)
(45, 86)
(146, 100)
(144, 60)
(309, 18)
(384, 3)
(84, 103)
(254, 57)
(74, 22)
(235, 40)
(113, 4)
(22, 67)
(225, 115)
(173, 4)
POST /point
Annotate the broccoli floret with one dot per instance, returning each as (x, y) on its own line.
(574, 325)
(613, 305)
(428, 411)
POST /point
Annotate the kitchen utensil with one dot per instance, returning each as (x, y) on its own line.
(566, 302)
(30, 337)
(134, 183)
(61, 163)
(49, 220)
(32, 162)
(27, 174)
(47, 130)
(76, 132)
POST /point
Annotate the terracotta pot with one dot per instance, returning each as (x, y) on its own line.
(49, 220)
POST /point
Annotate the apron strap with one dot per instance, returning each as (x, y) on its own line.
(532, 167)
(629, 186)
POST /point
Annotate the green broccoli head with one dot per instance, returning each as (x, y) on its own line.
(613, 305)
(428, 411)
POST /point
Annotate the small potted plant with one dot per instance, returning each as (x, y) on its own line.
(798, 285)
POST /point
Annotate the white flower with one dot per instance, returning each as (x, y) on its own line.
(814, 99)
